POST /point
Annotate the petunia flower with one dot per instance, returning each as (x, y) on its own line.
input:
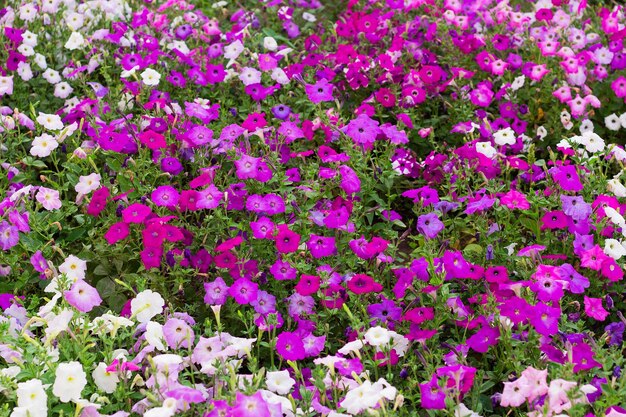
(429, 225)
(83, 296)
(290, 347)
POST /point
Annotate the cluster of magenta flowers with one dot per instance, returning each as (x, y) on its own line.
(301, 208)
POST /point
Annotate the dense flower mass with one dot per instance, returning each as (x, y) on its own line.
(312, 208)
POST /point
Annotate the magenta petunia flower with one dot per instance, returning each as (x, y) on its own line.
(545, 319)
(246, 167)
(39, 262)
(165, 196)
(583, 358)
(567, 178)
(82, 296)
(594, 308)
(274, 204)
(250, 406)
(321, 246)
(210, 197)
(263, 228)
(243, 291)
(20, 220)
(350, 181)
(201, 260)
(363, 284)
(515, 200)
(186, 395)
(308, 284)
(136, 213)
(300, 305)
(98, 201)
(188, 200)
(320, 91)
(264, 304)
(152, 140)
(593, 258)
(290, 131)
(226, 260)
(290, 346)
(283, 271)
(554, 220)
(254, 121)
(362, 130)
(481, 341)
(117, 232)
(431, 395)
(286, 240)
(151, 257)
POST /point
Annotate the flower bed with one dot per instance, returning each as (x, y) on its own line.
(306, 208)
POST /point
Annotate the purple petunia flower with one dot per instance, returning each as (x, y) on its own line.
(216, 292)
(429, 225)
(9, 236)
(575, 207)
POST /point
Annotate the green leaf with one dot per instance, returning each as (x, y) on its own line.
(106, 287)
(473, 247)
(101, 270)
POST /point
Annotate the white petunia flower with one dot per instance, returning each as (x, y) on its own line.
(43, 145)
(614, 249)
(32, 395)
(146, 305)
(622, 120)
(50, 75)
(62, 90)
(75, 41)
(29, 38)
(24, 71)
(233, 50)
(270, 43)
(106, 381)
(70, 379)
(154, 335)
(586, 126)
(88, 183)
(614, 216)
(279, 382)
(150, 77)
(74, 268)
(361, 398)
(518, 83)
(6, 85)
(504, 137)
(612, 122)
(280, 76)
(377, 336)
(58, 323)
(592, 142)
(486, 149)
(75, 20)
(50, 121)
(616, 187)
